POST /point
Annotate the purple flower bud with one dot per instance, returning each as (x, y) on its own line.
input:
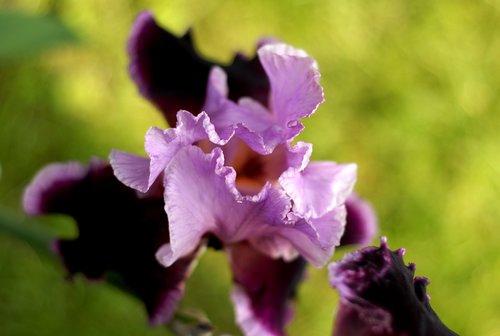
(379, 296)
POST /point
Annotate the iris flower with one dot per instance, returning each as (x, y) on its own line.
(380, 296)
(231, 172)
(228, 175)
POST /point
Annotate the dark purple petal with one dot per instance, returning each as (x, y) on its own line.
(119, 232)
(361, 222)
(172, 75)
(263, 289)
(379, 296)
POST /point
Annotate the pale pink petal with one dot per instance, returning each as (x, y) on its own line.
(201, 197)
(162, 146)
(315, 238)
(252, 121)
(130, 169)
(320, 187)
(295, 89)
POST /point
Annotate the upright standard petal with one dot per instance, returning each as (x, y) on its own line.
(295, 89)
(263, 289)
(172, 75)
(295, 94)
(379, 296)
(111, 219)
(253, 122)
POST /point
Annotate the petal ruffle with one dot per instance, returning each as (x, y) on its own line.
(169, 72)
(162, 146)
(263, 289)
(295, 89)
(319, 187)
(253, 123)
(295, 94)
(111, 219)
(316, 238)
(381, 297)
(201, 198)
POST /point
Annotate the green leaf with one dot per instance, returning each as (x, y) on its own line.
(25, 229)
(22, 35)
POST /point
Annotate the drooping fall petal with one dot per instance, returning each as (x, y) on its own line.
(263, 289)
(118, 232)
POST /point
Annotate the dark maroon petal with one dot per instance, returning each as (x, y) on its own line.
(119, 232)
(381, 297)
(247, 78)
(361, 222)
(172, 75)
(263, 289)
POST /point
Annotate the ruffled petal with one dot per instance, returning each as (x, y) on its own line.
(316, 238)
(197, 179)
(381, 297)
(111, 219)
(201, 197)
(263, 290)
(162, 146)
(319, 187)
(361, 222)
(252, 121)
(172, 75)
(295, 89)
(295, 94)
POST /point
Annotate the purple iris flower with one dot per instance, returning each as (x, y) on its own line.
(227, 175)
(119, 232)
(380, 296)
(232, 172)
(171, 74)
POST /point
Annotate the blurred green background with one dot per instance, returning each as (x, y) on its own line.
(411, 96)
